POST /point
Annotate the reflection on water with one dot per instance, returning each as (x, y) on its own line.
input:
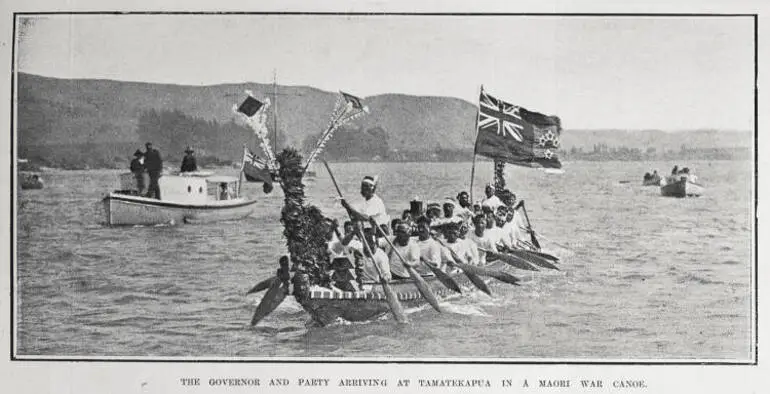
(642, 277)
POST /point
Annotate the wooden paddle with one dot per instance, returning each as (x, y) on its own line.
(511, 260)
(511, 256)
(467, 269)
(529, 225)
(416, 277)
(390, 295)
(542, 255)
(265, 284)
(270, 301)
(443, 277)
(533, 258)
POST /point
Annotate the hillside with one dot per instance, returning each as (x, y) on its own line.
(66, 114)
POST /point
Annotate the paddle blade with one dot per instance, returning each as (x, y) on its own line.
(445, 279)
(478, 282)
(534, 259)
(395, 307)
(424, 288)
(534, 239)
(483, 271)
(264, 285)
(274, 296)
(512, 260)
(546, 256)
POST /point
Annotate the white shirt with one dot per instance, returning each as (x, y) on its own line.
(410, 253)
(369, 272)
(430, 251)
(338, 249)
(484, 242)
(463, 249)
(374, 208)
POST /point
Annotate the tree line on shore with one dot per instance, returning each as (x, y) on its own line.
(220, 144)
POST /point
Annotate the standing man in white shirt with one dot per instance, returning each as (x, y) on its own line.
(492, 201)
(372, 206)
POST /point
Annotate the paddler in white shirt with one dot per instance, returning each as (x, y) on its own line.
(372, 206)
(464, 210)
(430, 250)
(345, 245)
(406, 248)
(373, 255)
(480, 238)
(463, 250)
(500, 232)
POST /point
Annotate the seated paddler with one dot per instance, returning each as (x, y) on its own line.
(481, 239)
(457, 248)
(401, 249)
(430, 249)
(372, 254)
(371, 207)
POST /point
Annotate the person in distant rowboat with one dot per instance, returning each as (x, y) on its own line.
(137, 168)
(372, 206)
(430, 250)
(188, 161)
(154, 165)
(675, 170)
(492, 201)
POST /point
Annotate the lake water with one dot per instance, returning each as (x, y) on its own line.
(643, 277)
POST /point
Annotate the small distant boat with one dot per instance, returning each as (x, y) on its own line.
(681, 187)
(195, 197)
(30, 180)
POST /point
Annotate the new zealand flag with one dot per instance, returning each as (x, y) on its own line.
(515, 135)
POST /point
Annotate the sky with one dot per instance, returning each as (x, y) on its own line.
(667, 73)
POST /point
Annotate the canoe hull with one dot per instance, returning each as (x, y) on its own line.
(326, 306)
(120, 210)
(681, 188)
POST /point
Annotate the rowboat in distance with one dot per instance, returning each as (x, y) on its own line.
(676, 186)
(193, 197)
(30, 180)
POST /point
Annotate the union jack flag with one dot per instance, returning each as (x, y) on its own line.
(497, 116)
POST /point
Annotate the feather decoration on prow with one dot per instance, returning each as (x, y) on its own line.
(342, 114)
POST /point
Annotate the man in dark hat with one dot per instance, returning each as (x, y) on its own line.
(188, 161)
(137, 168)
(154, 165)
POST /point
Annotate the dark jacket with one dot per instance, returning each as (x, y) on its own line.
(152, 161)
(189, 164)
(136, 165)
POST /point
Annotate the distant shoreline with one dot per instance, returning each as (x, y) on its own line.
(43, 168)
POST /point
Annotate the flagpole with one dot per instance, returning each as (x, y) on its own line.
(240, 174)
(473, 166)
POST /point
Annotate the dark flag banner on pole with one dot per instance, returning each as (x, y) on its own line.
(250, 106)
(514, 135)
